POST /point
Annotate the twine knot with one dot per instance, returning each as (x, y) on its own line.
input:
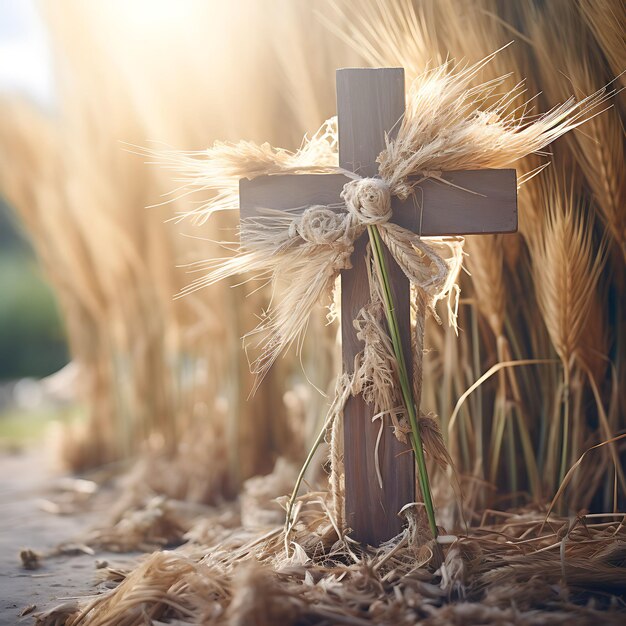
(368, 199)
(319, 225)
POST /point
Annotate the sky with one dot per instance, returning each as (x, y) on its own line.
(25, 61)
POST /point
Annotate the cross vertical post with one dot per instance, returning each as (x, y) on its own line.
(370, 104)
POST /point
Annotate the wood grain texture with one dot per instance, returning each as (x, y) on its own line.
(370, 103)
(288, 191)
(476, 202)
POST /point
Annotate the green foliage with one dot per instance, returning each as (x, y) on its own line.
(32, 341)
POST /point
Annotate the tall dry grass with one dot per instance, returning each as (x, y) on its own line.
(551, 292)
(541, 347)
(163, 377)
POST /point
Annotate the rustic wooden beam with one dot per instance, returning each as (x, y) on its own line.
(370, 104)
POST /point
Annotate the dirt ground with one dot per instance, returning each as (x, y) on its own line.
(27, 488)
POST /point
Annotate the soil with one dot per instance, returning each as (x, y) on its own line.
(27, 488)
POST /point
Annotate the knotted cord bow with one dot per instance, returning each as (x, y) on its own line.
(431, 266)
(307, 251)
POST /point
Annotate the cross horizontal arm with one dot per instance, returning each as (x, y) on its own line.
(288, 191)
(476, 202)
(467, 202)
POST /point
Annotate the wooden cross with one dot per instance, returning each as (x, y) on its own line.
(370, 104)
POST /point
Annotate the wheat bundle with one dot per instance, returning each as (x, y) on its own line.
(502, 319)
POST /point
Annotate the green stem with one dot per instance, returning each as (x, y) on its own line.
(303, 469)
(405, 384)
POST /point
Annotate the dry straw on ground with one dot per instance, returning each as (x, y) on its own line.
(519, 567)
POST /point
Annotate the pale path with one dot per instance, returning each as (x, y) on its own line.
(24, 480)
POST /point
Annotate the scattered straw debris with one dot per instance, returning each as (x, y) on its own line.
(158, 522)
(57, 616)
(513, 568)
(30, 559)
